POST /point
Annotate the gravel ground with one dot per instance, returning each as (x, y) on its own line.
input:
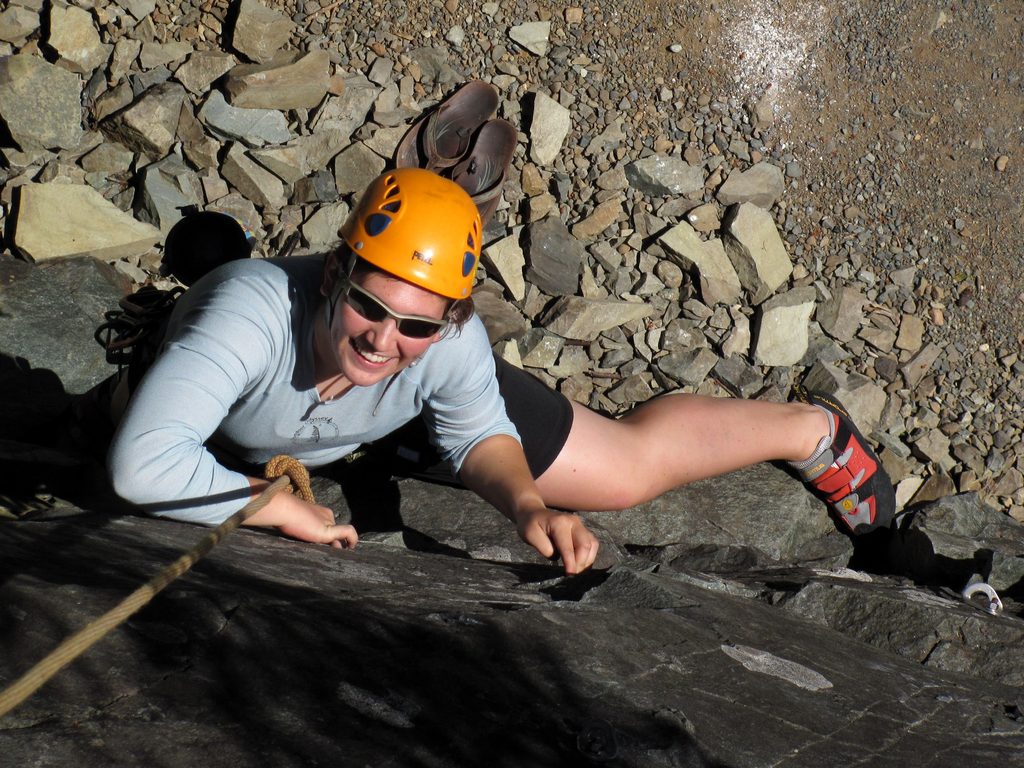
(899, 126)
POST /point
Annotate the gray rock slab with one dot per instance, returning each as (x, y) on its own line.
(301, 84)
(253, 127)
(548, 128)
(260, 33)
(61, 220)
(231, 665)
(574, 317)
(719, 283)
(935, 629)
(48, 313)
(41, 103)
(150, 124)
(500, 317)
(168, 186)
(202, 68)
(756, 250)
(716, 512)
(254, 181)
(782, 327)
(664, 175)
(555, 257)
(956, 537)
(75, 39)
(355, 167)
(761, 185)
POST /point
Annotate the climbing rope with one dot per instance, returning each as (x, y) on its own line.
(283, 470)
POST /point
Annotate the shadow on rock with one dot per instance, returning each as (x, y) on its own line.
(310, 657)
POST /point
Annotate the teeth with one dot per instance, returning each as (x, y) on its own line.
(373, 357)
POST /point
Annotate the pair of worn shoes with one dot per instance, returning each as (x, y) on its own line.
(462, 140)
(847, 475)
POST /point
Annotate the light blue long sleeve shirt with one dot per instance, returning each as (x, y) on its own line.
(236, 370)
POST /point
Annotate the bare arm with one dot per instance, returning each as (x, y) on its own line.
(301, 520)
(497, 471)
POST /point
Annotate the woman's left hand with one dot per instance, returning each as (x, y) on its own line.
(560, 532)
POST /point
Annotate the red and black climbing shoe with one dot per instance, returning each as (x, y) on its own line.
(847, 474)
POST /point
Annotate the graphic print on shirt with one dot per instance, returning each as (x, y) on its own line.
(315, 429)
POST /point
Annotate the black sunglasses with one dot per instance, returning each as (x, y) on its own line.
(369, 307)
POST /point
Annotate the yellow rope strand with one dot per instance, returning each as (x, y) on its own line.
(75, 645)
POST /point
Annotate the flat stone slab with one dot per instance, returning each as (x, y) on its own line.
(275, 652)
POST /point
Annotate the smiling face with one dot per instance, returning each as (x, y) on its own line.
(364, 351)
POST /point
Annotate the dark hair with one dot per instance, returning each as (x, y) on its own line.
(459, 310)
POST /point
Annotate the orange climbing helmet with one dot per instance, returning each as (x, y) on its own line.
(420, 227)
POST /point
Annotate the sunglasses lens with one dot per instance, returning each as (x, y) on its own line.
(418, 329)
(366, 306)
(370, 308)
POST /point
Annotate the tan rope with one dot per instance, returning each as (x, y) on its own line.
(75, 645)
(287, 466)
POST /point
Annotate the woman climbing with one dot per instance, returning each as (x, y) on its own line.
(315, 356)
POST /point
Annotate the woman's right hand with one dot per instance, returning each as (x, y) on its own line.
(316, 524)
(301, 520)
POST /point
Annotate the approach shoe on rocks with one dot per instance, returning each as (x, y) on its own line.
(847, 474)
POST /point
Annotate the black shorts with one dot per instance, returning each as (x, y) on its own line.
(542, 416)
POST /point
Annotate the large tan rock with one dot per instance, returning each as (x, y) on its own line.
(301, 84)
(60, 220)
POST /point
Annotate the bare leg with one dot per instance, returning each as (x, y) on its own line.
(670, 441)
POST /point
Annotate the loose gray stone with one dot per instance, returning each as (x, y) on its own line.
(154, 54)
(602, 217)
(573, 317)
(719, 282)
(17, 23)
(62, 220)
(126, 51)
(663, 175)
(704, 218)
(356, 167)
(343, 114)
(40, 103)
(864, 399)
(918, 366)
(532, 35)
(149, 125)
(321, 229)
(256, 183)
(842, 315)
(253, 127)
(302, 155)
(540, 349)
(756, 250)
(168, 186)
(782, 327)
(688, 366)
(74, 37)
(911, 336)
(761, 185)
(299, 85)
(548, 129)
(506, 260)
(555, 257)
(260, 33)
(202, 68)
